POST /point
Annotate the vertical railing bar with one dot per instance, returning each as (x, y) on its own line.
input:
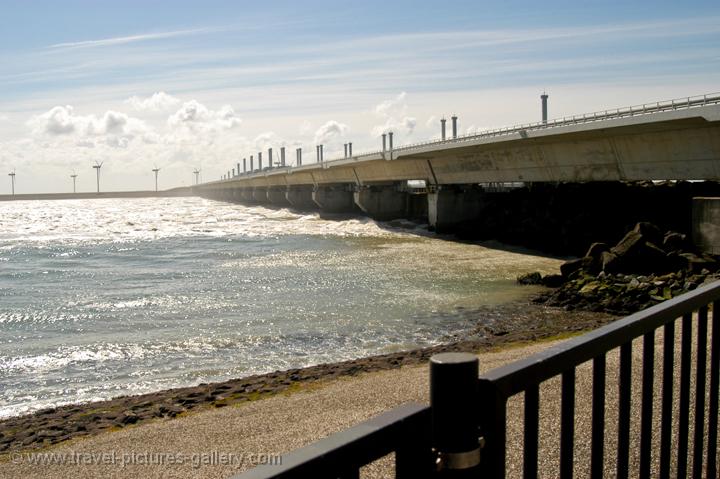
(567, 421)
(714, 385)
(624, 410)
(413, 457)
(530, 442)
(667, 398)
(683, 421)
(493, 424)
(598, 418)
(700, 393)
(646, 416)
(353, 473)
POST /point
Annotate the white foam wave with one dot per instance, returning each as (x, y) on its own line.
(127, 220)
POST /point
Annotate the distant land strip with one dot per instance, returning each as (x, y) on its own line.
(182, 191)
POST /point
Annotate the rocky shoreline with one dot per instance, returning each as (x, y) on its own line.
(518, 323)
(647, 266)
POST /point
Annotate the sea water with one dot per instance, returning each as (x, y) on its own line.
(107, 297)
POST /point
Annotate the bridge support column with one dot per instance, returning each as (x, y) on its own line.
(450, 206)
(276, 196)
(260, 194)
(706, 224)
(382, 202)
(334, 198)
(246, 196)
(301, 197)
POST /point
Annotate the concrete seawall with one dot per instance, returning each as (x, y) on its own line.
(183, 191)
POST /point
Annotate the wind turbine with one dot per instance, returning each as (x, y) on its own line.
(97, 167)
(74, 177)
(12, 180)
(155, 170)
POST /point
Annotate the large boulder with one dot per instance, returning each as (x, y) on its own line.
(649, 231)
(637, 252)
(675, 242)
(568, 268)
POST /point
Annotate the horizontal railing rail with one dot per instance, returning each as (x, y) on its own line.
(403, 430)
(465, 426)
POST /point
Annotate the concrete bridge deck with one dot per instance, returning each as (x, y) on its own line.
(668, 140)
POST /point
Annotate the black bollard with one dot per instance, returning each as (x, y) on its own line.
(455, 414)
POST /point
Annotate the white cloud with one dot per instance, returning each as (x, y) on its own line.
(159, 101)
(330, 131)
(387, 107)
(195, 118)
(393, 113)
(61, 130)
(58, 121)
(130, 39)
(266, 140)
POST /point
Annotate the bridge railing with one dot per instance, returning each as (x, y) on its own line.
(465, 428)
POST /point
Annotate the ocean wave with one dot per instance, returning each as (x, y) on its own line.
(127, 220)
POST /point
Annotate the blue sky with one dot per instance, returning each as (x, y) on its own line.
(189, 85)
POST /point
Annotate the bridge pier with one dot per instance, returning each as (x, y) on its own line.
(706, 224)
(450, 206)
(246, 196)
(260, 195)
(382, 202)
(301, 197)
(334, 198)
(277, 196)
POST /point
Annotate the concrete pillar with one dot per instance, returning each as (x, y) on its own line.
(260, 194)
(334, 198)
(454, 126)
(276, 195)
(442, 128)
(299, 157)
(382, 202)
(544, 99)
(451, 206)
(246, 195)
(706, 224)
(300, 197)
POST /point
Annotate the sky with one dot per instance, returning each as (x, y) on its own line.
(182, 85)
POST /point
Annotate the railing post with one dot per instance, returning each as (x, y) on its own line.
(454, 403)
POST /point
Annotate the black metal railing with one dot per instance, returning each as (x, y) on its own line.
(433, 441)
